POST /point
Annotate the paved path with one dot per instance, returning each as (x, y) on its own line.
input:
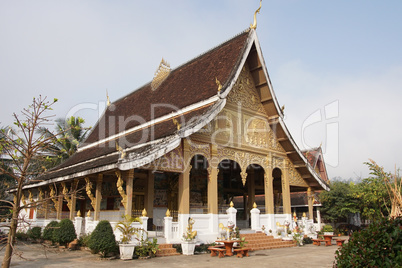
(305, 256)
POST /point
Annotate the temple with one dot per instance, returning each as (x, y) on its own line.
(200, 141)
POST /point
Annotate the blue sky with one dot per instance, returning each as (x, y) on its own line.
(324, 58)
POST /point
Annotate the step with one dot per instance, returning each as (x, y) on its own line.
(166, 250)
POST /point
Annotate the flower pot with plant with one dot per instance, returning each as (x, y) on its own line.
(327, 230)
(127, 231)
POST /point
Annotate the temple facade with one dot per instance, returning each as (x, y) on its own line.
(201, 141)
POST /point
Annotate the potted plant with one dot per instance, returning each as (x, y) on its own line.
(328, 230)
(127, 231)
(188, 239)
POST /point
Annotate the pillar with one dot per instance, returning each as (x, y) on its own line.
(213, 181)
(184, 182)
(46, 205)
(149, 201)
(310, 200)
(59, 206)
(128, 176)
(286, 189)
(269, 192)
(98, 196)
(74, 186)
(250, 189)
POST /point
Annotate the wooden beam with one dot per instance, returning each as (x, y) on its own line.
(256, 68)
(283, 139)
(290, 152)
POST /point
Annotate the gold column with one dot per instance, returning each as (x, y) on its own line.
(149, 201)
(46, 205)
(128, 176)
(286, 189)
(213, 181)
(310, 199)
(98, 196)
(184, 182)
(269, 192)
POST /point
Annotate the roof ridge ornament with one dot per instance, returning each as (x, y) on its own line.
(218, 84)
(107, 99)
(254, 25)
(178, 125)
(161, 74)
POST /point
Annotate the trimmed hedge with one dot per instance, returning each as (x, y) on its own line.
(379, 245)
(35, 233)
(65, 233)
(48, 231)
(102, 239)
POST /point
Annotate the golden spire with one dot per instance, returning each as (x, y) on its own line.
(144, 213)
(218, 83)
(254, 205)
(231, 204)
(107, 99)
(161, 74)
(168, 213)
(254, 25)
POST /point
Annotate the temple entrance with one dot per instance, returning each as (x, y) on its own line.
(199, 185)
(166, 188)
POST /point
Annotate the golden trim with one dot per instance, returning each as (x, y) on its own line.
(119, 185)
(254, 25)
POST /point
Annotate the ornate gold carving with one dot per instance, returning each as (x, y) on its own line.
(30, 196)
(88, 189)
(294, 176)
(203, 149)
(218, 84)
(172, 161)
(66, 197)
(119, 185)
(273, 142)
(167, 213)
(244, 92)
(277, 162)
(161, 74)
(178, 126)
(122, 152)
(24, 202)
(243, 175)
(54, 197)
(256, 132)
(254, 25)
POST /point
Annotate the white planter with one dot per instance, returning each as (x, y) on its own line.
(126, 251)
(188, 248)
(328, 233)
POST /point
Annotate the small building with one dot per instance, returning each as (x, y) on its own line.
(190, 143)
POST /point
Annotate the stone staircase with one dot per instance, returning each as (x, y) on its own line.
(166, 250)
(259, 241)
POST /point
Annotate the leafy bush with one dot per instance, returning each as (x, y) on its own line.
(146, 247)
(65, 233)
(48, 231)
(307, 240)
(178, 248)
(327, 228)
(21, 236)
(102, 239)
(379, 245)
(35, 233)
(83, 241)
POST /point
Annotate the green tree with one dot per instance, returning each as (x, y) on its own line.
(69, 134)
(339, 202)
(102, 239)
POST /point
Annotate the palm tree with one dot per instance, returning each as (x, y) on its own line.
(69, 134)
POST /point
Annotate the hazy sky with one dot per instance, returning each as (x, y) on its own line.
(335, 65)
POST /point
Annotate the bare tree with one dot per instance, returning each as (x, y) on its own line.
(24, 147)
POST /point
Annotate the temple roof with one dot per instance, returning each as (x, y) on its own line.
(150, 122)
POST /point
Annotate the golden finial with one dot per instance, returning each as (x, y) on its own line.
(144, 213)
(254, 25)
(122, 152)
(294, 214)
(107, 99)
(231, 204)
(168, 213)
(254, 205)
(161, 74)
(283, 108)
(78, 213)
(176, 123)
(304, 214)
(89, 213)
(218, 83)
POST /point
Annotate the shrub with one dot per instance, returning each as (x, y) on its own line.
(84, 240)
(327, 228)
(379, 245)
(48, 231)
(65, 233)
(21, 236)
(102, 239)
(35, 233)
(307, 240)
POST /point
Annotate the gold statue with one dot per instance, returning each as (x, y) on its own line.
(190, 234)
(254, 25)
